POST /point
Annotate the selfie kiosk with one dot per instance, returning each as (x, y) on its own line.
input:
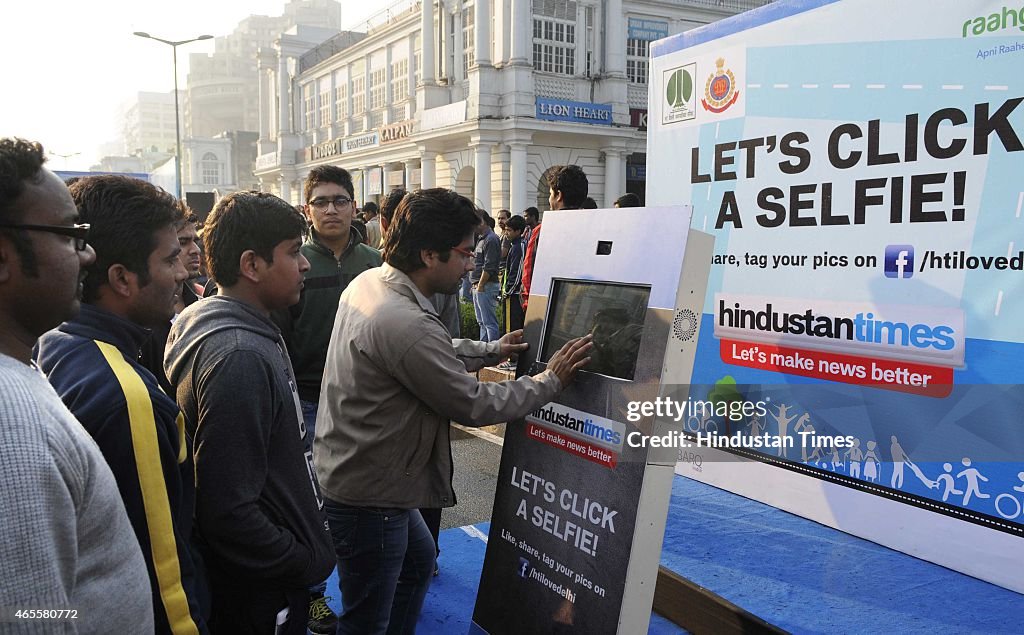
(581, 501)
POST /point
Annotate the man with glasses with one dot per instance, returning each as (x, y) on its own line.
(394, 378)
(65, 539)
(92, 363)
(336, 255)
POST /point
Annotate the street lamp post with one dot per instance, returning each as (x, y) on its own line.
(63, 156)
(177, 118)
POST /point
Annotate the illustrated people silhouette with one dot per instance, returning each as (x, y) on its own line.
(900, 458)
(783, 422)
(946, 480)
(837, 461)
(856, 455)
(807, 438)
(817, 456)
(757, 426)
(871, 463)
(972, 475)
(1019, 488)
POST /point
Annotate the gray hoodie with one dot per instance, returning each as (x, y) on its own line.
(259, 513)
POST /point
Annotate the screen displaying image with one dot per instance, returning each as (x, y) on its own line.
(613, 313)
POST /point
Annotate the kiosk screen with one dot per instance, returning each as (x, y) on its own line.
(613, 313)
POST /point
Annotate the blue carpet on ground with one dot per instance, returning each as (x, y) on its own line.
(790, 571)
(448, 608)
(808, 578)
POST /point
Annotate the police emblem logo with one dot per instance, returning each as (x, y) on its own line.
(720, 89)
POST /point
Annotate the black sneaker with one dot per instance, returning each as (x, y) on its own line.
(322, 619)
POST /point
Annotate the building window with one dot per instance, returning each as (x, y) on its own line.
(468, 38)
(309, 103)
(209, 169)
(400, 81)
(325, 107)
(417, 58)
(554, 45)
(588, 42)
(377, 81)
(636, 60)
(341, 100)
(359, 95)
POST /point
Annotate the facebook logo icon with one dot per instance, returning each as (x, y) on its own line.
(524, 567)
(899, 261)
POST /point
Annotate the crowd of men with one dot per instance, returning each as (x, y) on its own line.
(183, 464)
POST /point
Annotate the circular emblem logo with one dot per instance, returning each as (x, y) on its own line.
(684, 326)
(720, 89)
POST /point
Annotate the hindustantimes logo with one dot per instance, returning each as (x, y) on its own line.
(899, 261)
(925, 334)
(582, 425)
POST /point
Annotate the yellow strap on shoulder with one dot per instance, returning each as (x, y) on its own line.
(154, 490)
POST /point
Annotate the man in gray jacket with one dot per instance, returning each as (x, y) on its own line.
(393, 380)
(66, 543)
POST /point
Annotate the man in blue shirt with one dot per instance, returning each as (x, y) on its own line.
(484, 279)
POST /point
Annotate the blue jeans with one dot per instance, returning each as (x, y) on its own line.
(385, 565)
(464, 290)
(309, 409)
(486, 305)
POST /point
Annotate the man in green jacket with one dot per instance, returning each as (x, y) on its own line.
(336, 256)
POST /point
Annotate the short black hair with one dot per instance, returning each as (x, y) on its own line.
(124, 214)
(21, 162)
(370, 207)
(485, 217)
(628, 199)
(571, 181)
(435, 219)
(327, 174)
(532, 212)
(245, 221)
(391, 201)
(516, 223)
(188, 217)
(589, 203)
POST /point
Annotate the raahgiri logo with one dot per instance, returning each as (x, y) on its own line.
(720, 90)
(930, 335)
(679, 103)
(582, 425)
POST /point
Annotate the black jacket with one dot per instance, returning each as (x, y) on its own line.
(259, 514)
(153, 467)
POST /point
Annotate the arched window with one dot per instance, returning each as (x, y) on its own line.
(210, 169)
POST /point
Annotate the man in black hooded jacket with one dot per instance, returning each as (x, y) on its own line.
(259, 513)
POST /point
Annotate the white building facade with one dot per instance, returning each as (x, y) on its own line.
(480, 96)
(149, 125)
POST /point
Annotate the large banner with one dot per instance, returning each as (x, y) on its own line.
(860, 165)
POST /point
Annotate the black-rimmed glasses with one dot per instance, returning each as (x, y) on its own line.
(80, 233)
(340, 202)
